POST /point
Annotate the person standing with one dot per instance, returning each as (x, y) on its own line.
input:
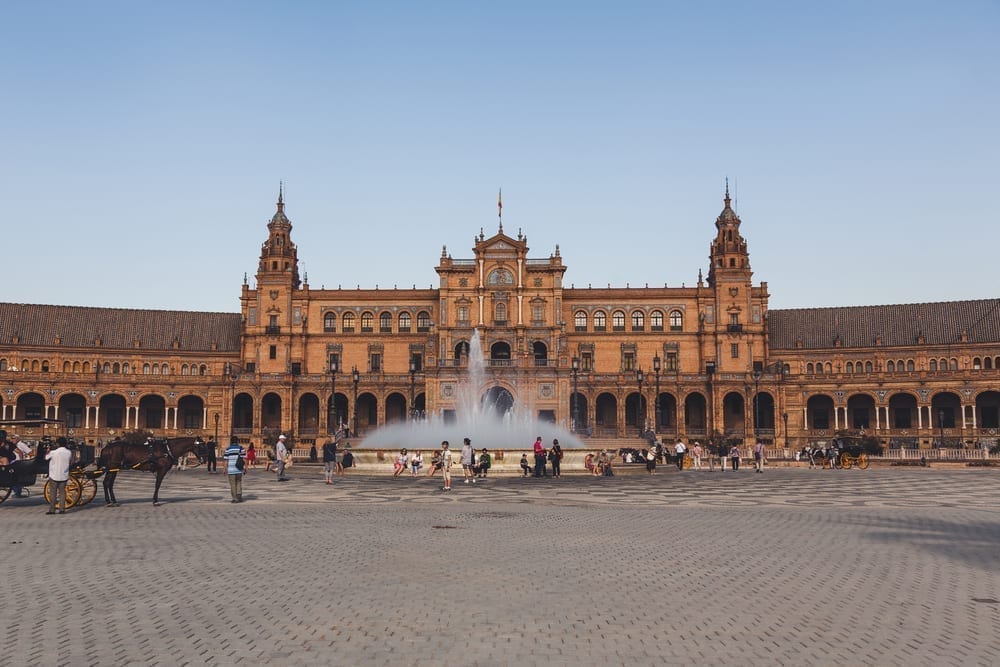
(280, 456)
(468, 461)
(59, 460)
(555, 457)
(696, 452)
(734, 456)
(235, 467)
(711, 454)
(446, 466)
(539, 457)
(251, 456)
(758, 456)
(212, 466)
(723, 454)
(680, 449)
(651, 461)
(329, 459)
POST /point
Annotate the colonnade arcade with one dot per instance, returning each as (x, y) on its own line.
(111, 412)
(948, 417)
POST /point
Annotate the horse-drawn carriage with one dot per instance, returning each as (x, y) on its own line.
(156, 456)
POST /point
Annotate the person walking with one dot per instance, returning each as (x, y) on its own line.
(758, 456)
(329, 459)
(555, 457)
(680, 449)
(446, 466)
(723, 455)
(734, 456)
(651, 461)
(251, 457)
(468, 461)
(235, 467)
(59, 460)
(280, 457)
(539, 450)
(212, 465)
(696, 452)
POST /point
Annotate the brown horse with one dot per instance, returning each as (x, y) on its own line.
(157, 456)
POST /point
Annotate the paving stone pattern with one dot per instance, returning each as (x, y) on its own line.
(792, 567)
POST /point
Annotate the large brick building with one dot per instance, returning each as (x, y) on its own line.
(611, 362)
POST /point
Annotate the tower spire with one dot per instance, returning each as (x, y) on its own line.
(500, 208)
(281, 196)
(727, 192)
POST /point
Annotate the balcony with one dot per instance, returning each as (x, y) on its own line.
(272, 329)
(735, 328)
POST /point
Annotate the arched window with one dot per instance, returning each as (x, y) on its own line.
(850, 368)
(107, 368)
(638, 320)
(145, 369)
(348, 322)
(45, 366)
(909, 365)
(988, 363)
(126, 368)
(953, 364)
(656, 320)
(66, 367)
(3, 364)
(933, 365)
(580, 320)
(184, 369)
(76, 367)
(977, 364)
(943, 364)
(501, 312)
(34, 366)
(163, 369)
(600, 321)
(868, 367)
(367, 322)
(404, 323)
(423, 321)
(330, 322)
(829, 367)
(203, 370)
(809, 369)
(890, 367)
(676, 320)
(618, 321)
(385, 323)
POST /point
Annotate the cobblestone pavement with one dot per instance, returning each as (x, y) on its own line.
(792, 567)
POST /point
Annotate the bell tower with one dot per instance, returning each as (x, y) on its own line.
(279, 263)
(730, 261)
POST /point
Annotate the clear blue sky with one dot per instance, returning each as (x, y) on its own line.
(142, 143)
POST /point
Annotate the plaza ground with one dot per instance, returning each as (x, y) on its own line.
(886, 566)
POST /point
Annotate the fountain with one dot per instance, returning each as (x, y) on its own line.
(486, 415)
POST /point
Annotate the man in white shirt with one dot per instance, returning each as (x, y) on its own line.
(680, 449)
(280, 454)
(59, 460)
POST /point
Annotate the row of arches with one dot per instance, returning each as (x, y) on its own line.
(314, 418)
(637, 319)
(105, 368)
(111, 411)
(903, 411)
(366, 319)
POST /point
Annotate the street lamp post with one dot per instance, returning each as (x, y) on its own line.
(784, 418)
(356, 378)
(756, 406)
(413, 373)
(638, 407)
(575, 365)
(941, 427)
(656, 411)
(217, 428)
(333, 395)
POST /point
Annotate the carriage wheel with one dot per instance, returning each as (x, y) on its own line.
(4, 493)
(846, 461)
(88, 489)
(863, 462)
(73, 491)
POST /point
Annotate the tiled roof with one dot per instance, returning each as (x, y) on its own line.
(118, 328)
(899, 324)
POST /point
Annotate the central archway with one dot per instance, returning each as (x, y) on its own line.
(498, 400)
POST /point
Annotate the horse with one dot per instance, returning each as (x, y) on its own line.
(159, 456)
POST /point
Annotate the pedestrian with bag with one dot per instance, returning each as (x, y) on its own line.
(235, 468)
(281, 457)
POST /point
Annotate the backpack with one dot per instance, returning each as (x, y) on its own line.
(241, 463)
